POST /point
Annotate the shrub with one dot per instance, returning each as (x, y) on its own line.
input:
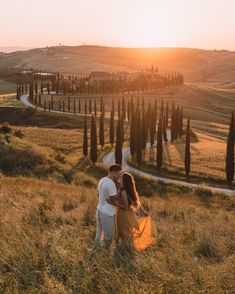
(19, 162)
(5, 129)
(19, 134)
(60, 157)
(207, 248)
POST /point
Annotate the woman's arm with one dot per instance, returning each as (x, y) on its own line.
(143, 210)
(124, 201)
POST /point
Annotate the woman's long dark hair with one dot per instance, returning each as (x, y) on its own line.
(128, 183)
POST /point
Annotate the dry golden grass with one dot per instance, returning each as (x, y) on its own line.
(207, 159)
(201, 101)
(46, 243)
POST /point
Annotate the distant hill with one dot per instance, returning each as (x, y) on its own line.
(195, 64)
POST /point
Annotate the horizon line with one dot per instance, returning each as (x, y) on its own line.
(26, 48)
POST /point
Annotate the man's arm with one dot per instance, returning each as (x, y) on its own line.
(112, 199)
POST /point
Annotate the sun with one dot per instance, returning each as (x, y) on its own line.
(151, 26)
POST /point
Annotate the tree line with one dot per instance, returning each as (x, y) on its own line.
(145, 126)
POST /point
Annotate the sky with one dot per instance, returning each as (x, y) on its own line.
(207, 24)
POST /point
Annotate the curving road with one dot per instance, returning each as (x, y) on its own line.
(110, 159)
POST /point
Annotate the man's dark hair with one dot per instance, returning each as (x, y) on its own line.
(115, 167)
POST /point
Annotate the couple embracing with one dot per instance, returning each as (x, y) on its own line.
(118, 213)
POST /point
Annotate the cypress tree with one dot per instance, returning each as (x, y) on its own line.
(187, 150)
(133, 131)
(93, 148)
(172, 123)
(167, 114)
(181, 126)
(90, 108)
(144, 131)
(68, 104)
(103, 109)
(123, 109)
(113, 107)
(143, 106)
(95, 109)
(60, 105)
(42, 88)
(162, 108)
(74, 107)
(164, 129)
(111, 128)
(155, 109)
(17, 93)
(52, 102)
(152, 129)
(48, 88)
(85, 138)
(79, 105)
(63, 107)
(159, 144)
(101, 105)
(118, 146)
(177, 122)
(138, 139)
(122, 127)
(128, 111)
(229, 167)
(85, 110)
(101, 130)
(31, 91)
(36, 88)
(119, 109)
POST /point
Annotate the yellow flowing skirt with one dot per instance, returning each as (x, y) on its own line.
(139, 232)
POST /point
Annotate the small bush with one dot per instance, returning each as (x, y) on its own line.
(60, 157)
(5, 129)
(206, 247)
(19, 134)
(19, 162)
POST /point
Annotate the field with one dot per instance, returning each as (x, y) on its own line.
(48, 199)
(207, 164)
(52, 226)
(7, 87)
(204, 102)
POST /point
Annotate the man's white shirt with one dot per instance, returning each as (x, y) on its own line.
(106, 188)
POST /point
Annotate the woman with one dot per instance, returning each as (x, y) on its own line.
(128, 229)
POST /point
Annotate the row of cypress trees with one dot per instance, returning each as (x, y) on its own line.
(59, 83)
(142, 128)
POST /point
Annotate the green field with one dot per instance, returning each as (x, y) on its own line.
(7, 87)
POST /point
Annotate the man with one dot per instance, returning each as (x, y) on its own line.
(105, 213)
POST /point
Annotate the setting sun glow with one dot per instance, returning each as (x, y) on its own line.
(127, 23)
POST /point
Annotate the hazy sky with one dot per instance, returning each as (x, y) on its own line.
(131, 23)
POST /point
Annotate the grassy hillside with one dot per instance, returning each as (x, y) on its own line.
(201, 101)
(207, 159)
(7, 87)
(195, 64)
(47, 231)
(48, 199)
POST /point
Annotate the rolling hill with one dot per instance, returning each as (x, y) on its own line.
(195, 64)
